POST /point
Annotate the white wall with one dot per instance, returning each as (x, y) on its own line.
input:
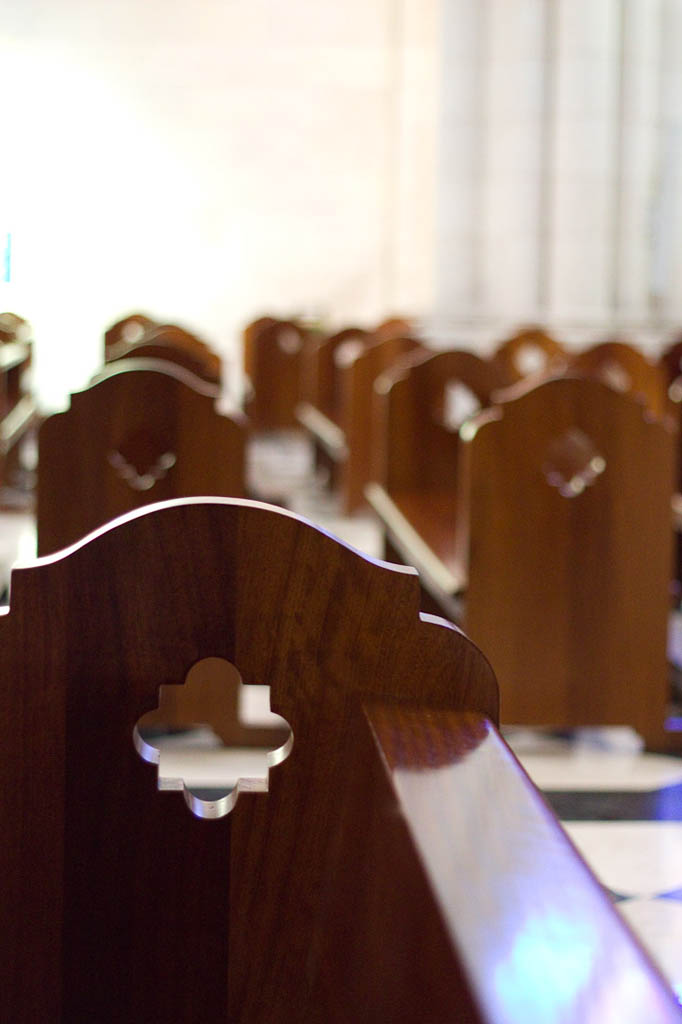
(209, 160)
(560, 168)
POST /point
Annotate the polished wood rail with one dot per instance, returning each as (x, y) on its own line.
(117, 901)
(464, 900)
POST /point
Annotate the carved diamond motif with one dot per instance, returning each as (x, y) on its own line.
(141, 461)
(572, 463)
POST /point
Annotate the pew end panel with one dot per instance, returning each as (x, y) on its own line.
(129, 920)
(570, 554)
(530, 353)
(144, 431)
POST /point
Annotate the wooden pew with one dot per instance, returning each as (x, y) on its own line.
(356, 370)
(129, 329)
(418, 411)
(146, 430)
(319, 412)
(274, 351)
(530, 352)
(624, 368)
(557, 542)
(172, 343)
(397, 866)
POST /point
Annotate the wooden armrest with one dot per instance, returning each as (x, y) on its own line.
(468, 901)
(422, 533)
(325, 431)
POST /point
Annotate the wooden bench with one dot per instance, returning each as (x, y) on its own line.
(550, 539)
(338, 416)
(274, 351)
(172, 343)
(624, 368)
(530, 352)
(145, 431)
(129, 328)
(397, 866)
(419, 408)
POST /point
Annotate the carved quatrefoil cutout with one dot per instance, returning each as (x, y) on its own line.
(572, 463)
(202, 742)
(142, 460)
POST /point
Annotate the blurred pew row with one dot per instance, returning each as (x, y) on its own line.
(535, 489)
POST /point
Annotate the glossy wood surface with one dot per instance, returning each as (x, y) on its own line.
(115, 898)
(530, 352)
(128, 329)
(510, 924)
(356, 377)
(146, 431)
(274, 351)
(417, 446)
(569, 555)
(626, 369)
(175, 344)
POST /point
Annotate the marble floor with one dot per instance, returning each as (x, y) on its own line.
(622, 807)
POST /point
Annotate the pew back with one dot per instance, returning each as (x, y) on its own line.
(626, 369)
(568, 543)
(146, 430)
(172, 343)
(273, 362)
(114, 895)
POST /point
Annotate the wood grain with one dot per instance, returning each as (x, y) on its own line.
(138, 412)
(177, 345)
(509, 923)
(531, 351)
(624, 368)
(569, 570)
(114, 896)
(274, 352)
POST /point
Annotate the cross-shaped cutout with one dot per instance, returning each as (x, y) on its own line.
(203, 743)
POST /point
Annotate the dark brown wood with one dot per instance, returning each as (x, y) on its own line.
(115, 898)
(172, 343)
(462, 861)
(531, 352)
(273, 362)
(145, 431)
(418, 436)
(129, 329)
(553, 549)
(357, 369)
(569, 549)
(626, 369)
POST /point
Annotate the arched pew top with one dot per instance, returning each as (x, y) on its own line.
(244, 563)
(143, 431)
(172, 343)
(530, 352)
